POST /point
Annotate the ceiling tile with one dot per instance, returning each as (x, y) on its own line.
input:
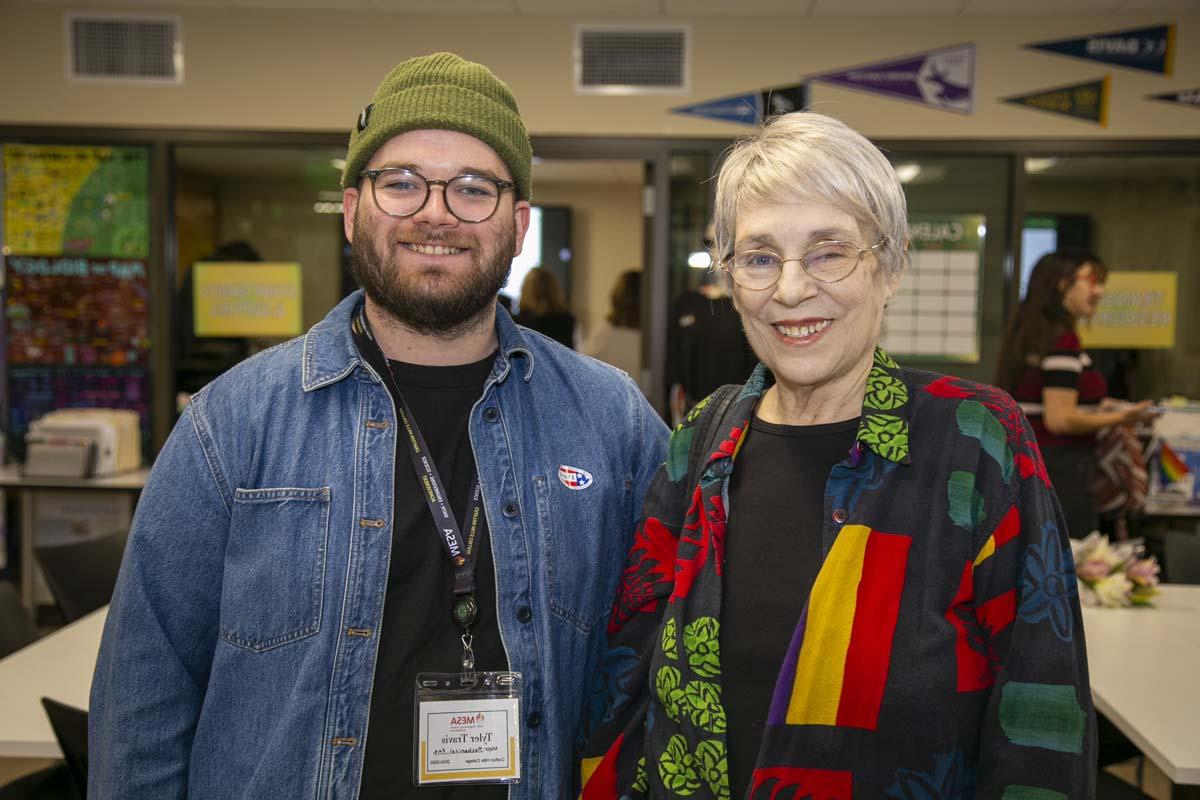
(592, 8)
(745, 7)
(886, 8)
(1039, 6)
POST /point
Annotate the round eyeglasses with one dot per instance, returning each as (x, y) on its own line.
(828, 262)
(401, 192)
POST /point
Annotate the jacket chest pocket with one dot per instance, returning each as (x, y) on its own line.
(274, 567)
(583, 548)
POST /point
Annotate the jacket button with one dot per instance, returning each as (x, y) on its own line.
(840, 515)
(524, 614)
(491, 414)
(510, 510)
(535, 719)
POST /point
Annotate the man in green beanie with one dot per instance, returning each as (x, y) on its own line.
(377, 561)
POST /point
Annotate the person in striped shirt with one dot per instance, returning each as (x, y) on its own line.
(1043, 365)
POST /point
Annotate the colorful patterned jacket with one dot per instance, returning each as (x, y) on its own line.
(940, 653)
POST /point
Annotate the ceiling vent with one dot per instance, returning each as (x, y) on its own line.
(124, 48)
(631, 60)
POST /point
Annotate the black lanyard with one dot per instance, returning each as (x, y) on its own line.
(463, 553)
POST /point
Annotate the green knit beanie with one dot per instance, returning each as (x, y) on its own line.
(443, 92)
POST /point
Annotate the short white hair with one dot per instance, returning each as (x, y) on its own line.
(809, 156)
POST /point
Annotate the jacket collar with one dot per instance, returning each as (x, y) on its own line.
(329, 353)
(884, 427)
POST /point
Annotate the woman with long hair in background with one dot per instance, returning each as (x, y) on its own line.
(1043, 365)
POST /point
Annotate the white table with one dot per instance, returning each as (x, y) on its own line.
(11, 478)
(60, 667)
(1145, 673)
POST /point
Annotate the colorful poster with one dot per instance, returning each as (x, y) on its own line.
(34, 390)
(89, 201)
(934, 315)
(1150, 49)
(753, 107)
(1083, 101)
(252, 299)
(77, 312)
(1189, 98)
(1138, 311)
(943, 79)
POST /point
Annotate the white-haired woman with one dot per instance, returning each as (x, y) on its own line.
(863, 586)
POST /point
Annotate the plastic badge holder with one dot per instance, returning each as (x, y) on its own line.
(468, 728)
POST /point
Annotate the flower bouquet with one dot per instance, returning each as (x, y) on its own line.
(1114, 575)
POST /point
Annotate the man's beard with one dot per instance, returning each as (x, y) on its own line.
(441, 303)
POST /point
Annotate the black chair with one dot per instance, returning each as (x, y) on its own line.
(1110, 787)
(81, 575)
(70, 726)
(52, 783)
(1181, 557)
(16, 626)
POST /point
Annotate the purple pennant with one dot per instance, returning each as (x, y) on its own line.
(943, 79)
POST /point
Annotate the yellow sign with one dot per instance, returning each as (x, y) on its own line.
(1138, 311)
(250, 299)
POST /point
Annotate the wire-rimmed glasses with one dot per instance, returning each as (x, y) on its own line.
(828, 262)
(401, 192)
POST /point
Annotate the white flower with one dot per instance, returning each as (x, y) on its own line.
(1113, 591)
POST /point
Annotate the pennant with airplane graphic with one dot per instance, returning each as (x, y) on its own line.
(1150, 49)
(751, 108)
(1086, 101)
(943, 79)
(1189, 98)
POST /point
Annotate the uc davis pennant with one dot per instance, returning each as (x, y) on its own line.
(942, 79)
(1149, 49)
(1086, 101)
(1186, 97)
(751, 108)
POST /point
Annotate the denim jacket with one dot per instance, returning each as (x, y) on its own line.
(239, 652)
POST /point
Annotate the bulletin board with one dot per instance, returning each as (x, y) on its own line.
(935, 313)
(76, 286)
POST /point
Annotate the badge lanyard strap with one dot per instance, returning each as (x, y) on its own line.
(463, 554)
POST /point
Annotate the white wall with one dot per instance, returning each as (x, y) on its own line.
(315, 70)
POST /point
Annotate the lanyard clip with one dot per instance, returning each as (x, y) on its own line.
(468, 660)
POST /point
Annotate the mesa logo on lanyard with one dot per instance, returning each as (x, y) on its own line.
(574, 478)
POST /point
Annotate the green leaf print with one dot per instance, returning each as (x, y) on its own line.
(678, 449)
(976, 421)
(701, 639)
(711, 759)
(887, 434)
(669, 645)
(677, 768)
(885, 392)
(966, 503)
(640, 782)
(882, 359)
(704, 705)
(667, 686)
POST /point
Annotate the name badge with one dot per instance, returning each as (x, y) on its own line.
(468, 733)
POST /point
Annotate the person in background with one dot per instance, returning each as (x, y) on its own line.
(296, 556)
(863, 588)
(617, 339)
(705, 345)
(1043, 365)
(544, 309)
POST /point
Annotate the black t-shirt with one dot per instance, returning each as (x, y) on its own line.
(417, 634)
(706, 346)
(772, 556)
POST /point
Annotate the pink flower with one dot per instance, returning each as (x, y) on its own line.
(1093, 569)
(1144, 572)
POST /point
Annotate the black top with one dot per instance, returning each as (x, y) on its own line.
(706, 346)
(558, 325)
(417, 634)
(772, 555)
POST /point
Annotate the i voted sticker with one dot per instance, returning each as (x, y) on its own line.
(574, 478)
